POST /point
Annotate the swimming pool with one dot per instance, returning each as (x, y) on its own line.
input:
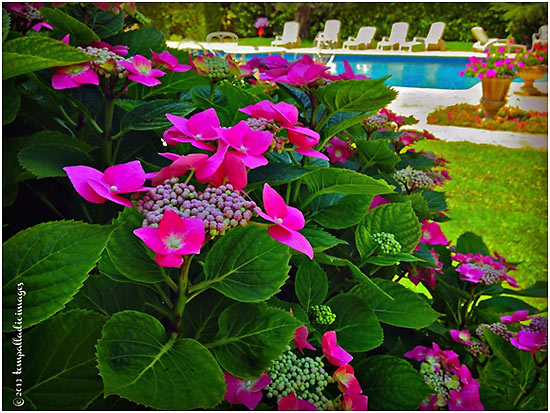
(406, 71)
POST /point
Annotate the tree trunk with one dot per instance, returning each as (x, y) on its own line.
(303, 16)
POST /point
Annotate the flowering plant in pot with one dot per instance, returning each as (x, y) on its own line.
(496, 72)
(188, 238)
(532, 65)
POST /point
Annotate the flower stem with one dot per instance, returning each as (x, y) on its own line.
(179, 308)
(107, 146)
(212, 90)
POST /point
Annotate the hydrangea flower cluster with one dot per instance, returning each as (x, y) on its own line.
(216, 68)
(499, 329)
(452, 382)
(530, 337)
(387, 242)
(485, 269)
(219, 208)
(412, 179)
(322, 314)
(339, 150)
(30, 13)
(107, 62)
(305, 377)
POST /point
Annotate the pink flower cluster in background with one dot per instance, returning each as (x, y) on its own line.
(453, 382)
(485, 269)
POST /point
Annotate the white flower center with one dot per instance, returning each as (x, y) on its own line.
(113, 188)
(242, 148)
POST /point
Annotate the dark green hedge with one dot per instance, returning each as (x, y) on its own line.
(195, 20)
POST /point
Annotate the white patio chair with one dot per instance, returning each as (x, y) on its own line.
(398, 36)
(364, 39)
(541, 37)
(330, 36)
(433, 41)
(484, 42)
(290, 37)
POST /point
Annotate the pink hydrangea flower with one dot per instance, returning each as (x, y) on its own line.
(300, 338)
(67, 77)
(347, 382)
(245, 391)
(98, 187)
(356, 402)
(223, 167)
(174, 237)
(470, 274)
(432, 234)
(461, 336)
(348, 73)
(288, 220)
(529, 340)
(292, 403)
(516, 317)
(418, 353)
(335, 354)
(169, 62)
(302, 72)
(250, 145)
(339, 150)
(36, 27)
(141, 71)
(196, 130)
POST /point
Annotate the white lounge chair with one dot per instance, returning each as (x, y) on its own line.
(541, 37)
(434, 40)
(398, 36)
(364, 39)
(484, 42)
(290, 37)
(330, 36)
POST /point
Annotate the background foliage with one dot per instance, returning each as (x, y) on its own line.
(195, 20)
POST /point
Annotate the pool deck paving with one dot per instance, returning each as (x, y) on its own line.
(419, 102)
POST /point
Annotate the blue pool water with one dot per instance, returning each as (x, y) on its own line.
(406, 71)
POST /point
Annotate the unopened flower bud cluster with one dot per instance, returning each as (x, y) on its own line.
(479, 348)
(32, 13)
(500, 329)
(101, 55)
(305, 377)
(322, 314)
(219, 68)
(219, 208)
(387, 242)
(411, 179)
(265, 125)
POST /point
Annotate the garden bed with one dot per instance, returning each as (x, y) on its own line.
(510, 119)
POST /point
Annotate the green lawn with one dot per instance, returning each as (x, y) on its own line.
(266, 41)
(500, 194)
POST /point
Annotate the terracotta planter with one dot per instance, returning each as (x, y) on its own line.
(494, 91)
(529, 74)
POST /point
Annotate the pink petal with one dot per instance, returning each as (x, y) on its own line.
(286, 113)
(355, 402)
(347, 382)
(87, 77)
(127, 177)
(79, 177)
(193, 236)
(252, 161)
(248, 398)
(263, 109)
(261, 382)
(204, 123)
(516, 317)
(335, 354)
(171, 260)
(300, 338)
(210, 166)
(103, 189)
(257, 142)
(292, 403)
(150, 237)
(312, 153)
(144, 80)
(418, 353)
(294, 219)
(274, 203)
(378, 200)
(232, 384)
(293, 239)
(63, 81)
